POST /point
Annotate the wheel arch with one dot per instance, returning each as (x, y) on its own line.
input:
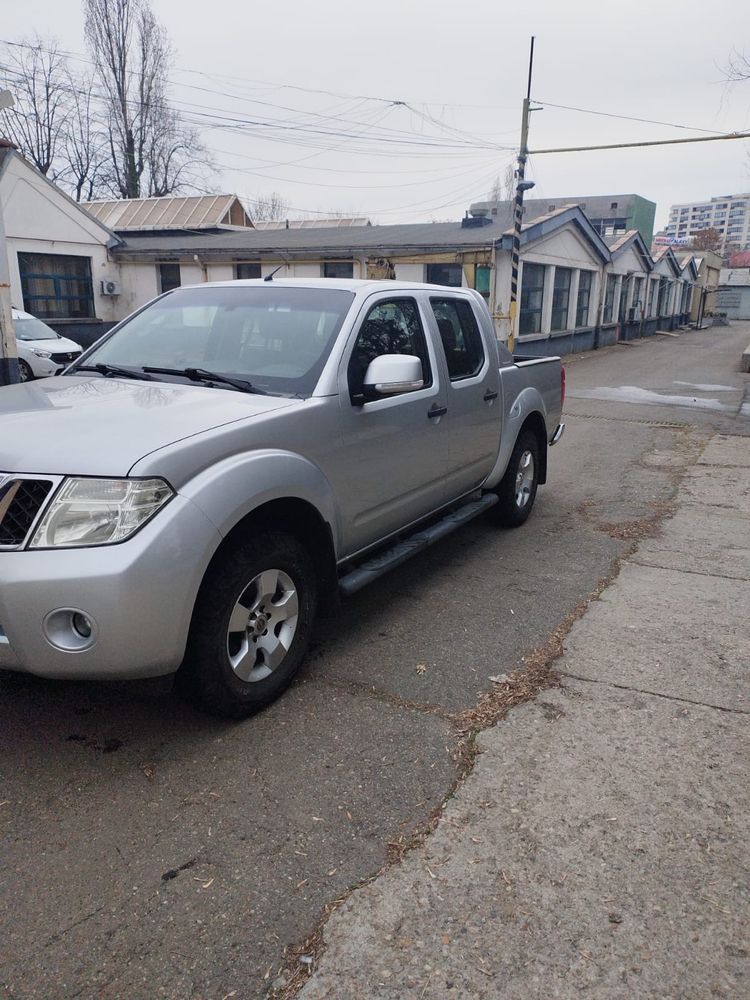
(534, 422)
(302, 520)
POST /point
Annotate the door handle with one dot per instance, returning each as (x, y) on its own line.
(437, 411)
(490, 395)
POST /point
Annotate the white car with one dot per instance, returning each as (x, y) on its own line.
(41, 351)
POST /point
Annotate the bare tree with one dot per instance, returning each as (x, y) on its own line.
(504, 188)
(268, 207)
(151, 151)
(707, 239)
(737, 69)
(84, 142)
(37, 74)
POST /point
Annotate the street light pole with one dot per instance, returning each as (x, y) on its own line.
(521, 186)
(8, 350)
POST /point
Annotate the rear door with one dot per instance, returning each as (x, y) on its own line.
(394, 449)
(473, 393)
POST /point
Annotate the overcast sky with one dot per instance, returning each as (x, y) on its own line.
(461, 69)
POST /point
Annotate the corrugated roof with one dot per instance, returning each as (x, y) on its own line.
(313, 223)
(194, 212)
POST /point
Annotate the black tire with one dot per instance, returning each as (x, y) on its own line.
(511, 511)
(24, 371)
(206, 676)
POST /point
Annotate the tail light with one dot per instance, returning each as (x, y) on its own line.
(562, 385)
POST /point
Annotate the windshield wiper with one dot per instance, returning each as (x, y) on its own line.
(203, 375)
(112, 370)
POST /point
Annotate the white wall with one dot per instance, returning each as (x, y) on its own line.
(409, 272)
(40, 218)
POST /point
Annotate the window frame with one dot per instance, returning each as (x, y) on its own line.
(476, 334)
(557, 309)
(254, 264)
(453, 264)
(160, 276)
(609, 300)
(59, 283)
(428, 379)
(581, 322)
(333, 264)
(524, 312)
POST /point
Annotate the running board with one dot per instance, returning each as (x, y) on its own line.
(399, 553)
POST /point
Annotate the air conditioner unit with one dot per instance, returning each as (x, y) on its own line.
(110, 287)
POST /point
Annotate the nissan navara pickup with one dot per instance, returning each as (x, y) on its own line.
(234, 456)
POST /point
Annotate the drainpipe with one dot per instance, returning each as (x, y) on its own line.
(202, 265)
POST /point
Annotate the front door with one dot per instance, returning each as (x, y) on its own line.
(394, 450)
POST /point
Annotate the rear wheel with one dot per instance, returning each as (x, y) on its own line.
(251, 626)
(517, 489)
(24, 370)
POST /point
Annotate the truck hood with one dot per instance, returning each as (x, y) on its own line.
(93, 426)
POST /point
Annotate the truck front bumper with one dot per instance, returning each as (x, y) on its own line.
(138, 597)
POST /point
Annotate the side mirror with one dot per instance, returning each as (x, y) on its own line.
(391, 375)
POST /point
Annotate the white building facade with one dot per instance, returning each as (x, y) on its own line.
(58, 254)
(729, 214)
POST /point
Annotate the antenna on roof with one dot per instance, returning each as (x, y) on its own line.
(269, 277)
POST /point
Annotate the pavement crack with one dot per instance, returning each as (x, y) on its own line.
(692, 572)
(77, 923)
(655, 694)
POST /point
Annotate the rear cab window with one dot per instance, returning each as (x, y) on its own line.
(459, 335)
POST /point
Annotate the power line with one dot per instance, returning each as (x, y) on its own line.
(629, 118)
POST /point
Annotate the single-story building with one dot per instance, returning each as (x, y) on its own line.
(58, 254)
(561, 261)
(733, 294)
(703, 296)
(627, 277)
(665, 289)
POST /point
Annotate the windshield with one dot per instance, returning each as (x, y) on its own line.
(277, 338)
(31, 328)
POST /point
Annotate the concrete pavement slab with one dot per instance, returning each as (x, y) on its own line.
(597, 850)
(690, 541)
(718, 487)
(674, 633)
(727, 450)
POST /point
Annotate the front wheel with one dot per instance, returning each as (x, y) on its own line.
(251, 625)
(517, 489)
(25, 373)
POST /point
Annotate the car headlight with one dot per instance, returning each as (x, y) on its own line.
(41, 354)
(99, 511)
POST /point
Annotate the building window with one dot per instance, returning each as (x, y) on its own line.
(560, 298)
(482, 278)
(56, 286)
(445, 274)
(585, 279)
(662, 301)
(650, 306)
(246, 269)
(637, 296)
(169, 277)
(609, 298)
(460, 337)
(532, 298)
(612, 205)
(338, 269)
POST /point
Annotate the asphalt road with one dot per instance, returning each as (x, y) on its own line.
(148, 851)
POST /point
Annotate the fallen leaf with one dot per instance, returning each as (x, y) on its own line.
(421, 668)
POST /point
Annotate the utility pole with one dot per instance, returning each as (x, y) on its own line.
(521, 186)
(8, 349)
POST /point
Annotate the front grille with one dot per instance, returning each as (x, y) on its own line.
(65, 359)
(20, 502)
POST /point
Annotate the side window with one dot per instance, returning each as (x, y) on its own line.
(460, 335)
(391, 327)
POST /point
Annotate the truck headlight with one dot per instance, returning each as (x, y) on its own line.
(99, 511)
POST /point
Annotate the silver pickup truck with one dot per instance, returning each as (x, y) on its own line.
(233, 457)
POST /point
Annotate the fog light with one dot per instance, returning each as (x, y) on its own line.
(82, 625)
(70, 629)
